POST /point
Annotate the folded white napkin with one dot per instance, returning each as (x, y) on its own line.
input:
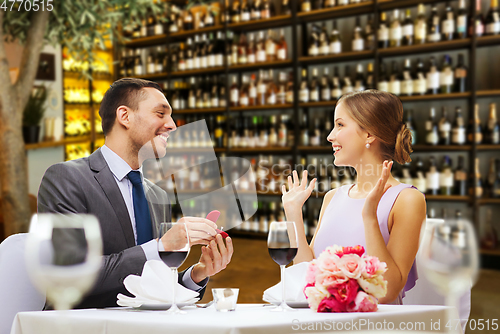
(295, 277)
(154, 287)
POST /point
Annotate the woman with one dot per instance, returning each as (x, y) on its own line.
(377, 211)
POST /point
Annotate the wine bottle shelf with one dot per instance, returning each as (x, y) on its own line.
(315, 149)
(320, 104)
(201, 71)
(269, 193)
(488, 40)
(428, 47)
(488, 93)
(247, 234)
(344, 56)
(273, 22)
(195, 150)
(256, 66)
(337, 11)
(261, 150)
(146, 41)
(200, 111)
(488, 147)
(67, 141)
(494, 252)
(485, 201)
(392, 4)
(450, 198)
(181, 35)
(264, 107)
(435, 97)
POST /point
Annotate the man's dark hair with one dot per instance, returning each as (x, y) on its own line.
(124, 92)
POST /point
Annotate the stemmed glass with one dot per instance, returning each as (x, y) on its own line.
(173, 248)
(450, 260)
(282, 244)
(63, 256)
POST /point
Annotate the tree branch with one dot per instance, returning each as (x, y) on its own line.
(31, 55)
(7, 92)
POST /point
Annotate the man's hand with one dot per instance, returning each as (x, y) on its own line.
(214, 258)
(201, 230)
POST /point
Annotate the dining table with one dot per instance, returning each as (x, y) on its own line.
(246, 318)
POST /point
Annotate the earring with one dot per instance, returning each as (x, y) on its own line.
(367, 145)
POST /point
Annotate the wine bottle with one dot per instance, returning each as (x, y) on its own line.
(244, 91)
(305, 6)
(192, 93)
(256, 10)
(358, 42)
(150, 63)
(461, 75)
(359, 80)
(272, 89)
(433, 77)
(434, 34)
(252, 91)
(369, 34)
(282, 51)
(267, 9)
(458, 133)
(395, 30)
(196, 53)
(446, 77)
(474, 131)
(444, 128)
(234, 92)
(383, 32)
(420, 180)
(282, 86)
(407, 80)
(370, 78)
(244, 11)
(347, 84)
(336, 84)
(304, 130)
(286, 7)
(462, 19)
(261, 88)
(476, 183)
(188, 20)
(493, 19)
(261, 48)
(492, 126)
(420, 81)
(304, 88)
(271, 47)
(214, 95)
(490, 178)
(448, 23)
(410, 124)
(495, 190)
(251, 56)
(432, 177)
(408, 33)
(189, 54)
(335, 40)
(324, 47)
(477, 21)
(446, 177)
(235, 12)
(489, 237)
(420, 26)
(138, 67)
(325, 86)
(395, 79)
(460, 178)
(314, 87)
(313, 49)
(431, 128)
(242, 49)
(383, 82)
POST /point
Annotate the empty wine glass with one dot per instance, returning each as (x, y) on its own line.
(63, 256)
(450, 259)
(173, 248)
(282, 244)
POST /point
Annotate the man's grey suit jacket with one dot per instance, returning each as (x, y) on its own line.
(87, 186)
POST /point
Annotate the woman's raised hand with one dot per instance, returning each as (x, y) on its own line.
(373, 198)
(297, 192)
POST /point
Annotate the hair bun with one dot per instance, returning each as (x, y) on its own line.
(403, 145)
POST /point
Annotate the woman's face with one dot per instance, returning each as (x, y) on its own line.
(347, 138)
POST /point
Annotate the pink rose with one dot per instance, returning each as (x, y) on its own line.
(331, 305)
(363, 303)
(315, 296)
(328, 262)
(346, 292)
(351, 265)
(358, 250)
(327, 278)
(373, 266)
(312, 270)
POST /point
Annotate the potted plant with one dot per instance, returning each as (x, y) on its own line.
(33, 114)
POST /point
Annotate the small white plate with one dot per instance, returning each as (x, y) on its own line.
(161, 306)
(292, 304)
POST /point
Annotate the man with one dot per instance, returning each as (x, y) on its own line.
(136, 119)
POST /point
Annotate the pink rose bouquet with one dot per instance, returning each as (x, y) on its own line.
(345, 279)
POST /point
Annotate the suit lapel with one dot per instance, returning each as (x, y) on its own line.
(108, 184)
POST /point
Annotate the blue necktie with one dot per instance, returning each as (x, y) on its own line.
(141, 209)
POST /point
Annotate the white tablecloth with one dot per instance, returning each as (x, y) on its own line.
(248, 318)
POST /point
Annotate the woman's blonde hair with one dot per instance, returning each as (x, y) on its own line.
(381, 114)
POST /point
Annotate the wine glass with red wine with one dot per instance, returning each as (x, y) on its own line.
(282, 244)
(173, 249)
